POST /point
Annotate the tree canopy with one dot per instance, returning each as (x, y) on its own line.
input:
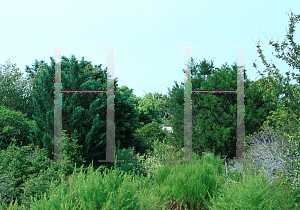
(14, 89)
(83, 114)
(214, 114)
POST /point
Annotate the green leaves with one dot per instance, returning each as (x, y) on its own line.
(285, 118)
(14, 124)
(152, 107)
(214, 115)
(83, 114)
(14, 89)
(275, 81)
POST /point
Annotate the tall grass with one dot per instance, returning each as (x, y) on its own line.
(208, 184)
(190, 185)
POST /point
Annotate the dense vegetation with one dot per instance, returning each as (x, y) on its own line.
(27, 121)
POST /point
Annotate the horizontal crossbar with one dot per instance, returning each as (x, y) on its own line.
(214, 91)
(104, 91)
(83, 91)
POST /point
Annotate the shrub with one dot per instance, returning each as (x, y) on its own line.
(267, 148)
(273, 136)
(157, 154)
(14, 127)
(264, 154)
(285, 122)
(293, 166)
(146, 164)
(148, 134)
(130, 164)
(164, 154)
(273, 152)
(25, 173)
(190, 184)
(253, 192)
(110, 189)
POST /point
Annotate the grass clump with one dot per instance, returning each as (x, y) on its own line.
(254, 192)
(112, 189)
(190, 184)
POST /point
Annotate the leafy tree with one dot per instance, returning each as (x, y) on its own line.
(214, 115)
(289, 104)
(14, 91)
(14, 127)
(275, 81)
(83, 115)
(148, 134)
(163, 107)
(25, 173)
(152, 107)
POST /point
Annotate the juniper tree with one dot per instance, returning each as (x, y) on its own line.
(83, 114)
(214, 115)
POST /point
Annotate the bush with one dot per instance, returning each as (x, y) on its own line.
(162, 153)
(14, 127)
(95, 189)
(148, 134)
(274, 152)
(189, 185)
(25, 173)
(294, 165)
(267, 148)
(130, 164)
(157, 151)
(264, 153)
(253, 192)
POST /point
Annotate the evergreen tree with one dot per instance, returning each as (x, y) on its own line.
(83, 114)
(214, 115)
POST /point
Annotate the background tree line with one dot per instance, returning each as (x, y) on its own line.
(84, 115)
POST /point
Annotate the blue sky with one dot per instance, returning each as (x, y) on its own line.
(148, 31)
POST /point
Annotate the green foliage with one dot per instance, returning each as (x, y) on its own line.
(14, 127)
(254, 192)
(190, 183)
(105, 189)
(146, 109)
(288, 126)
(138, 127)
(25, 173)
(152, 107)
(276, 83)
(163, 154)
(130, 162)
(14, 89)
(148, 134)
(282, 121)
(214, 114)
(83, 114)
(160, 152)
(294, 176)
